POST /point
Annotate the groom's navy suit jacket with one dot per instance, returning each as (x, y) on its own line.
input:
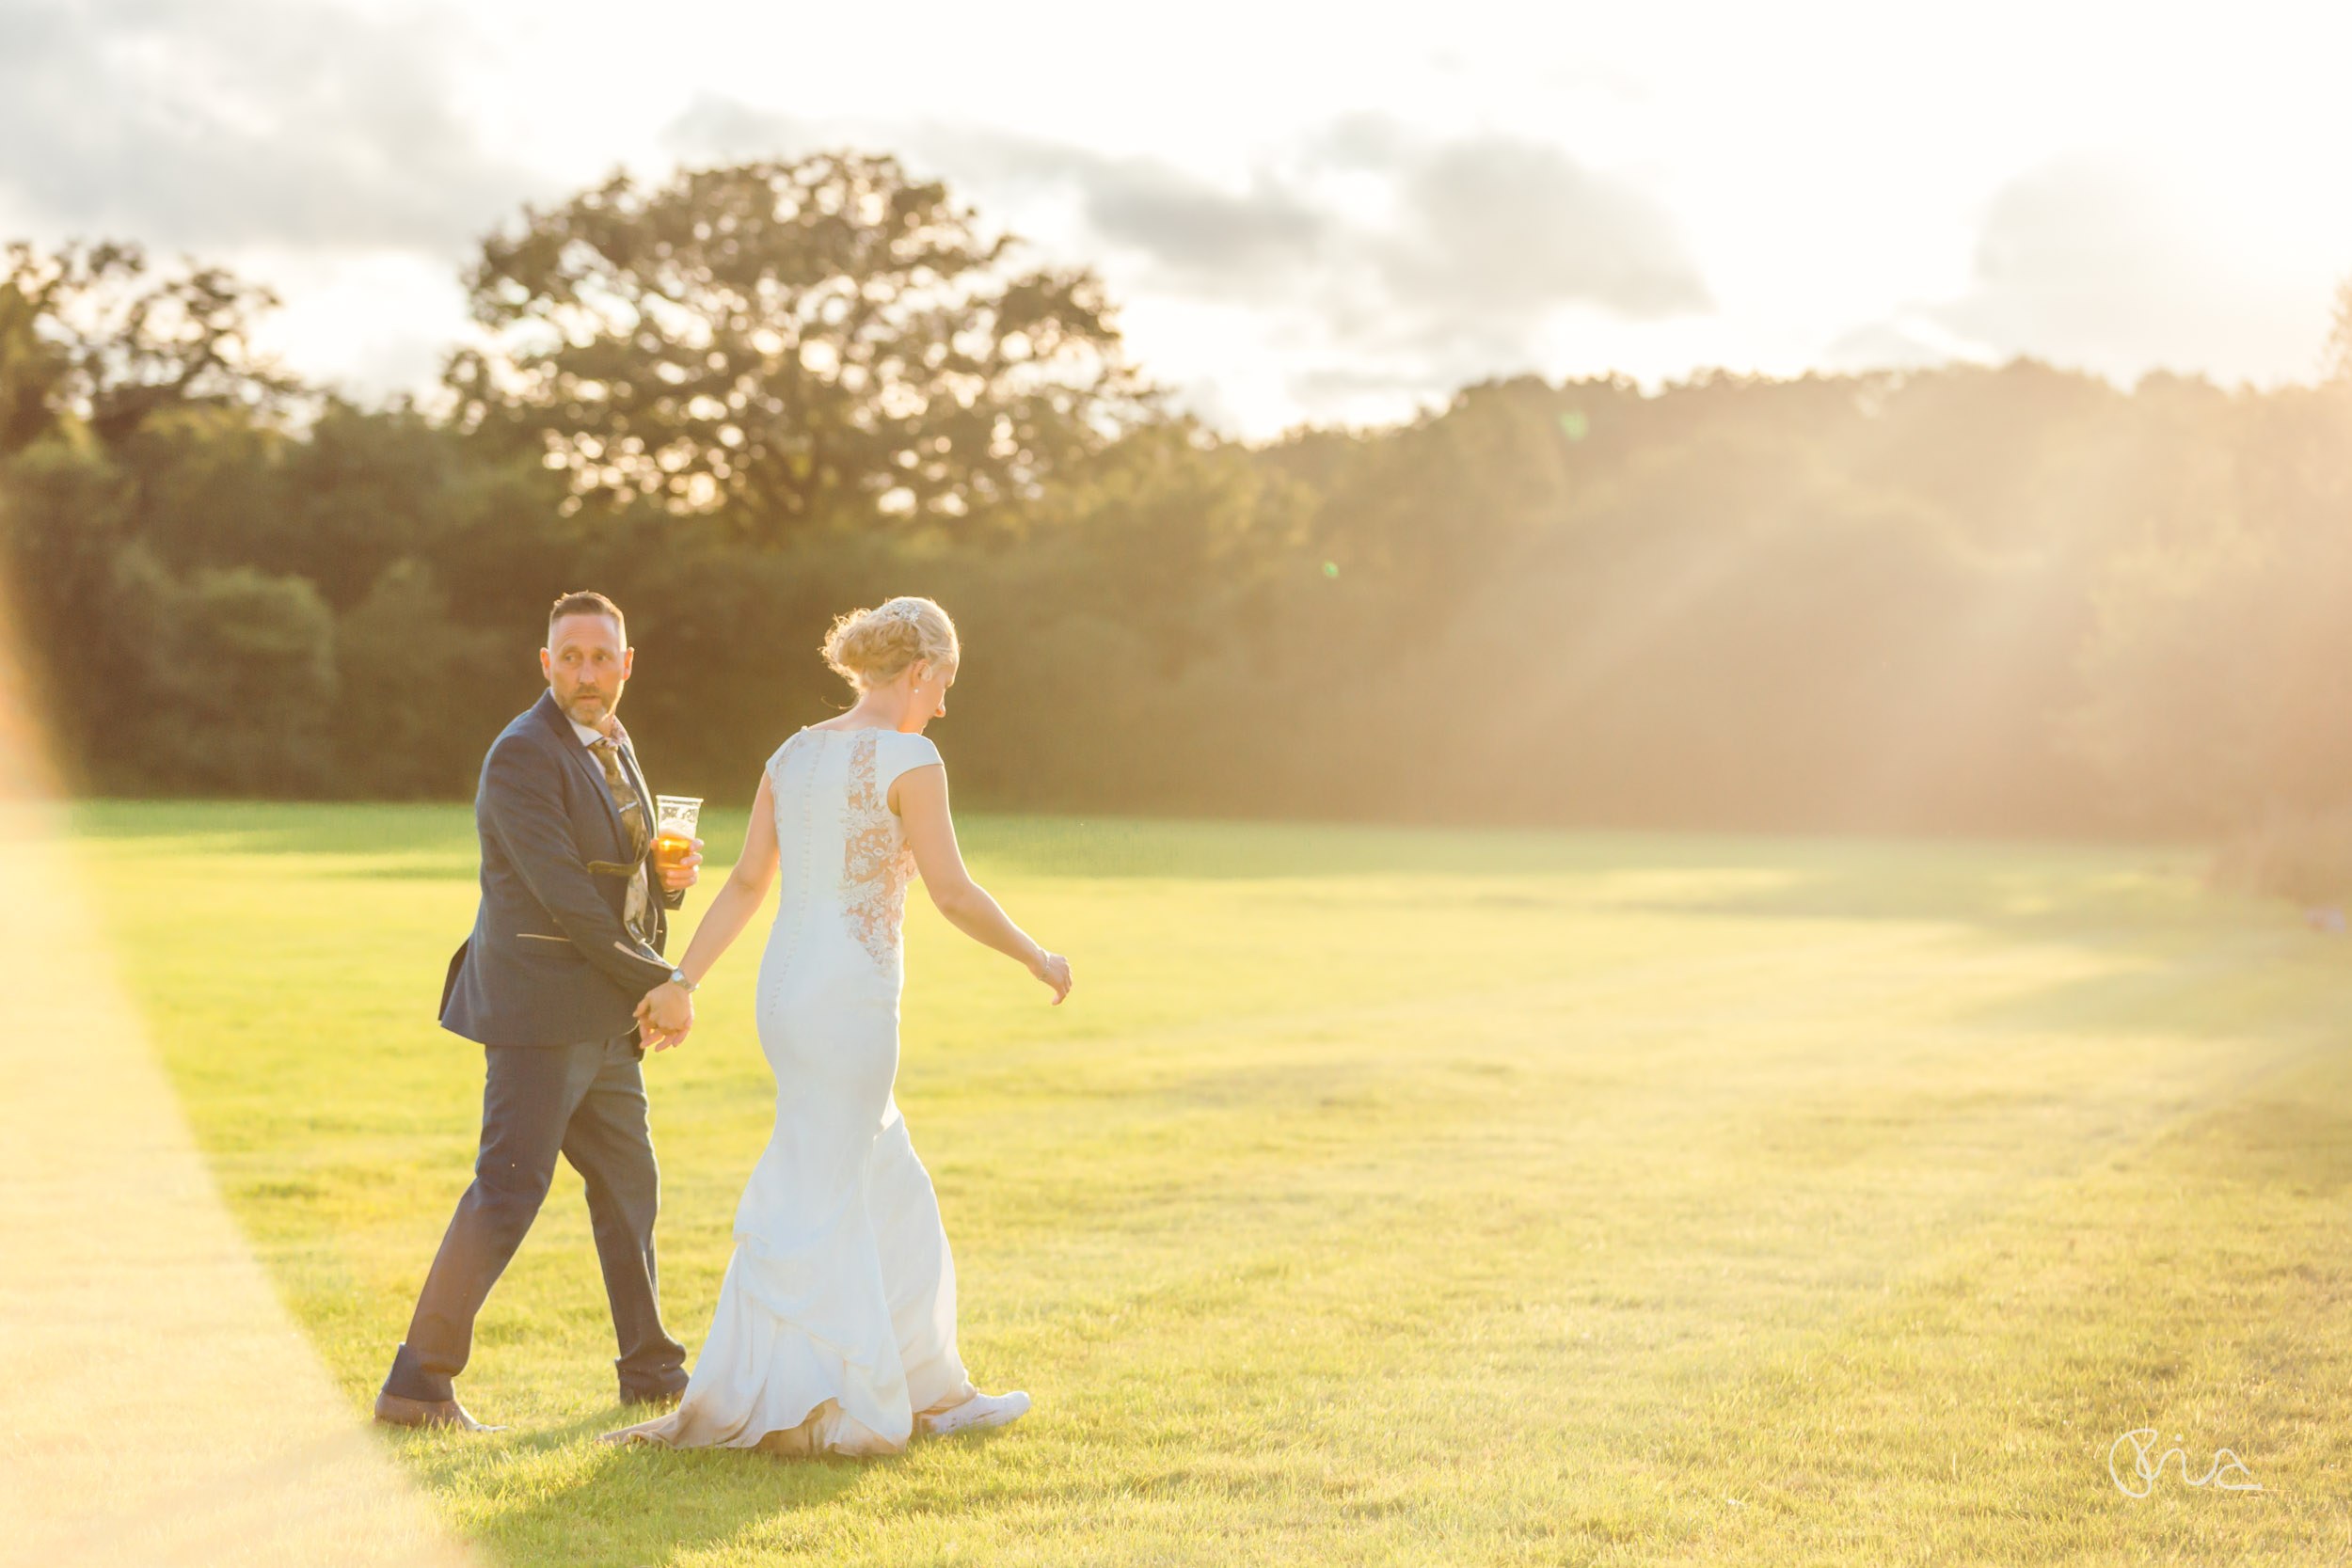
(551, 962)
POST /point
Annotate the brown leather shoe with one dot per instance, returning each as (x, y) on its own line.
(394, 1411)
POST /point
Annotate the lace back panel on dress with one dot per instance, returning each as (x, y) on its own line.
(876, 864)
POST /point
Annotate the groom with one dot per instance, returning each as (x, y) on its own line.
(561, 969)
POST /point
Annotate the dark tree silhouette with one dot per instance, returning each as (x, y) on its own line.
(789, 346)
(96, 333)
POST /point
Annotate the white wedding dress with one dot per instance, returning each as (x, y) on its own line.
(836, 1328)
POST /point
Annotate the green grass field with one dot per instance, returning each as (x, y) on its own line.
(1390, 1197)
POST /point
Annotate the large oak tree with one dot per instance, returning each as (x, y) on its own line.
(96, 333)
(789, 346)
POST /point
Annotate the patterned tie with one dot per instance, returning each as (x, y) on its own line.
(637, 908)
(624, 793)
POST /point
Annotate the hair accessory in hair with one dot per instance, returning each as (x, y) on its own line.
(869, 646)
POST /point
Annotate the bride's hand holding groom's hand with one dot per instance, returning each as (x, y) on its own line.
(665, 1016)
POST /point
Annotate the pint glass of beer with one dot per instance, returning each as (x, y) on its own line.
(674, 817)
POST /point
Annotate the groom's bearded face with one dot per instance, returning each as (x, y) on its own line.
(586, 666)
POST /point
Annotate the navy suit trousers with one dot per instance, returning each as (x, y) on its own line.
(586, 1103)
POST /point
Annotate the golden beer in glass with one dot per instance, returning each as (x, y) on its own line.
(674, 817)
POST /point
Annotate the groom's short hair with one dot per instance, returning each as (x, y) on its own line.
(586, 603)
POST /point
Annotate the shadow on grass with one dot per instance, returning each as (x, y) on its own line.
(2169, 955)
(1041, 846)
(2013, 885)
(1842, 878)
(2101, 895)
(1217, 851)
(2208, 1285)
(278, 827)
(2291, 1132)
(564, 1496)
(424, 842)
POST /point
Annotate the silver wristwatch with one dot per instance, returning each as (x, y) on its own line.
(677, 978)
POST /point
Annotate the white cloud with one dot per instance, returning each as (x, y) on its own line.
(1376, 262)
(1304, 220)
(224, 123)
(2118, 264)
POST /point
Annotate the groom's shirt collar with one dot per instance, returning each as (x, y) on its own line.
(588, 734)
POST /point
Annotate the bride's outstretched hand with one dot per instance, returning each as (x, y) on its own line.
(1054, 970)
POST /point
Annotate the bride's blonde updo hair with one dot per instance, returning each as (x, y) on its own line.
(871, 647)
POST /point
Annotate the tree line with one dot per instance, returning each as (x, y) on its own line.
(2010, 599)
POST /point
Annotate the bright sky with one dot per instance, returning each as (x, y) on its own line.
(1310, 212)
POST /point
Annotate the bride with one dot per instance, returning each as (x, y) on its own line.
(835, 1329)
